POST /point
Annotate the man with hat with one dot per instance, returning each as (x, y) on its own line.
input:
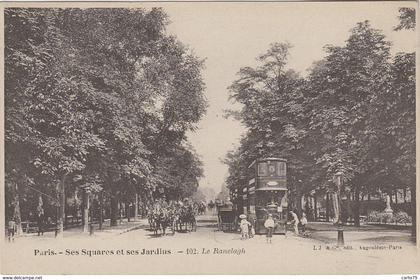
(295, 222)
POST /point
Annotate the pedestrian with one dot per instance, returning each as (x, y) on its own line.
(295, 221)
(244, 225)
(269, 225)
(11, 230)
(303, 222)
(40, 220)
(40, 223)
(251, 230)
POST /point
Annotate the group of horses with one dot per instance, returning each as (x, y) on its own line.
(200, 207)
(173, 218)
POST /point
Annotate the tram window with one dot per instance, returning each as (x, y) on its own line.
(281, 168)
(408, 195)
(262, 169)
(266, 198)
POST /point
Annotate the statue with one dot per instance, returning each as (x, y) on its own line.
(388, 208)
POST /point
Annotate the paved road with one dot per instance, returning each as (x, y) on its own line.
(208, 250)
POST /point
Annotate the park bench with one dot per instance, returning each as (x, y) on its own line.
(29, 227)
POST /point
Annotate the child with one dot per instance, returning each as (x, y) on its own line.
(244, 227)
(269, 225)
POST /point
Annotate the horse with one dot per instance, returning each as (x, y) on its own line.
(171, 220)
(211, 205)
(176, 221)
(187, 218)
(150, 219)
(155, 223)
(201, 208)
(161, 221)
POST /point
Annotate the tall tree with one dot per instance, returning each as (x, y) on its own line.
(354, 113)
(97, 94)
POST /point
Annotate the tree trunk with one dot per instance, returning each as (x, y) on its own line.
(62, 203)
(81, 207)
(315, 208)
(101, 209)
(413, 211)
(356, 207)
(349, 211)
(114, 208)
(120, 208)
(127, 210)
(299, 204)
(66, 222)
(66, 211)
(327, 208)
(85, 211)
(308, 206)
(336, 207)
(136, 207)
(75, 209)
(16, 211)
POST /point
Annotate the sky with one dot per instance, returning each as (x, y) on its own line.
(230, 35)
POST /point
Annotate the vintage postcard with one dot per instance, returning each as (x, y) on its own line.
(209, 138)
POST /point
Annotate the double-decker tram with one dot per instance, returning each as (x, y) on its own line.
(266, 193)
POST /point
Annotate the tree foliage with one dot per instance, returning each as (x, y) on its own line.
(354, 113)
(407, 19)
(102, 98)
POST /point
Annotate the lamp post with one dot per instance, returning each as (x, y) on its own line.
(338, 179)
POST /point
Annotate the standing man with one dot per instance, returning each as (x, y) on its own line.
(40, 222)
(295, 221)
(40, 218)
(303, 222)
(11, 229)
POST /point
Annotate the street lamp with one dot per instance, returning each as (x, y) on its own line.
(338, 179)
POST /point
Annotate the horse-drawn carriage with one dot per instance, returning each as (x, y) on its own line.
(161, 221)
(227, 218)
(200, 207)
(175, 219)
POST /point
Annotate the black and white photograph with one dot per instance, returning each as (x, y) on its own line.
(209, 138)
